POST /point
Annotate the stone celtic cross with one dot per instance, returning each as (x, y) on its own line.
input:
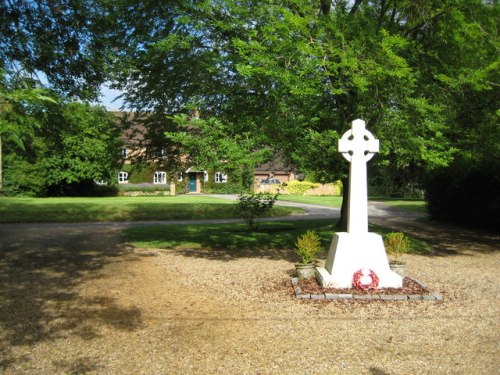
(358, 146)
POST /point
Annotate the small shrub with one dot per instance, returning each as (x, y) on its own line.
(308, 247)
(300, 187)
(252, 206)
(145, 187)
(337, 187)
(225, 188)
(396, 243)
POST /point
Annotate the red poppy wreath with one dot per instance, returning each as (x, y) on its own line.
(365, 279)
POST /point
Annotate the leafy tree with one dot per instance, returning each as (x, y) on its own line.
(214, 145)
(74, 145)
(63, 42)
(296, 73)
(60, 45)
(17, 120)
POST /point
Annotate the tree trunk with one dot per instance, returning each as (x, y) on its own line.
(342, 223)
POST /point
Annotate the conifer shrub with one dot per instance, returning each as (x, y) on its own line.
(308, 247)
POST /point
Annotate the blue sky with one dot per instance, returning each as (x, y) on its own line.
(108, 97)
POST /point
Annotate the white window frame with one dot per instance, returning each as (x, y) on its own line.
(160, 177)
(124, 153)
(220, 177)
(122, 177)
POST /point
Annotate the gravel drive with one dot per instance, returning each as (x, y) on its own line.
(77, 299)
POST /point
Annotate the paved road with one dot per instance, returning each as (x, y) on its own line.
(377, 210)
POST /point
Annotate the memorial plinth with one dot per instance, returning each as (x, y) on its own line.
(357, 248)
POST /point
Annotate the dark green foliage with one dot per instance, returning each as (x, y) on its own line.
(84, 188)
(224, 188)
(253, 206)
(23, 177)
(70, 145)
(467, 195)
(139, 172)
(65, 40)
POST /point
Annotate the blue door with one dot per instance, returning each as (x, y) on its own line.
(192, 182)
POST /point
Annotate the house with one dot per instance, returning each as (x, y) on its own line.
(145, 160)
(274, 169)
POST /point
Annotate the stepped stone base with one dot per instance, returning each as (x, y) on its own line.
(350, 252)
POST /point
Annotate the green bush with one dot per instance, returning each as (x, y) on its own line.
(139, 173)
(396, 244)
(337, 187)
(22, 178)
(252, 206)
(308, 247)
(222, 188)
(300, 187)
(147, 188)
(466, 194)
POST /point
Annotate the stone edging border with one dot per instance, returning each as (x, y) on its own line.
(377, 297)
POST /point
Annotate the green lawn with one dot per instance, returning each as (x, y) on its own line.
(236, 237)
(335, 201)
(16, 210)
(404, 204)
(320, 200)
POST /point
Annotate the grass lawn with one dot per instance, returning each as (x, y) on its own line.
(16, 210)
(320, 200)
(270, 235)
(336, 201)
(404, 204)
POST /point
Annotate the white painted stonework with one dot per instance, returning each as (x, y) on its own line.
(357, 248)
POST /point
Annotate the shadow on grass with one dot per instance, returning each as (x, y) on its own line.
(272, 240)
(40, 271)
(276, 240)
(433, 238)
(119, 209)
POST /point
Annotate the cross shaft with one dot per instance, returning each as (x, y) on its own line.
(358, 146)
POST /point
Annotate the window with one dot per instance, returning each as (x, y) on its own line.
(122, 177)
(220, 177)
(159, 152)
(124, 153)
(160, 178)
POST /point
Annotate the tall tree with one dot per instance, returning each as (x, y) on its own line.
(72, 145)
(17, 121)
(62, 43)
(298, 72)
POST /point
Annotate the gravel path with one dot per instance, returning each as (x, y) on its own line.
(76, 299)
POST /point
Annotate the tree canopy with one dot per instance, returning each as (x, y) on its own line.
(62, 44)
(72, 144)
(286, 75)
(300, 71)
